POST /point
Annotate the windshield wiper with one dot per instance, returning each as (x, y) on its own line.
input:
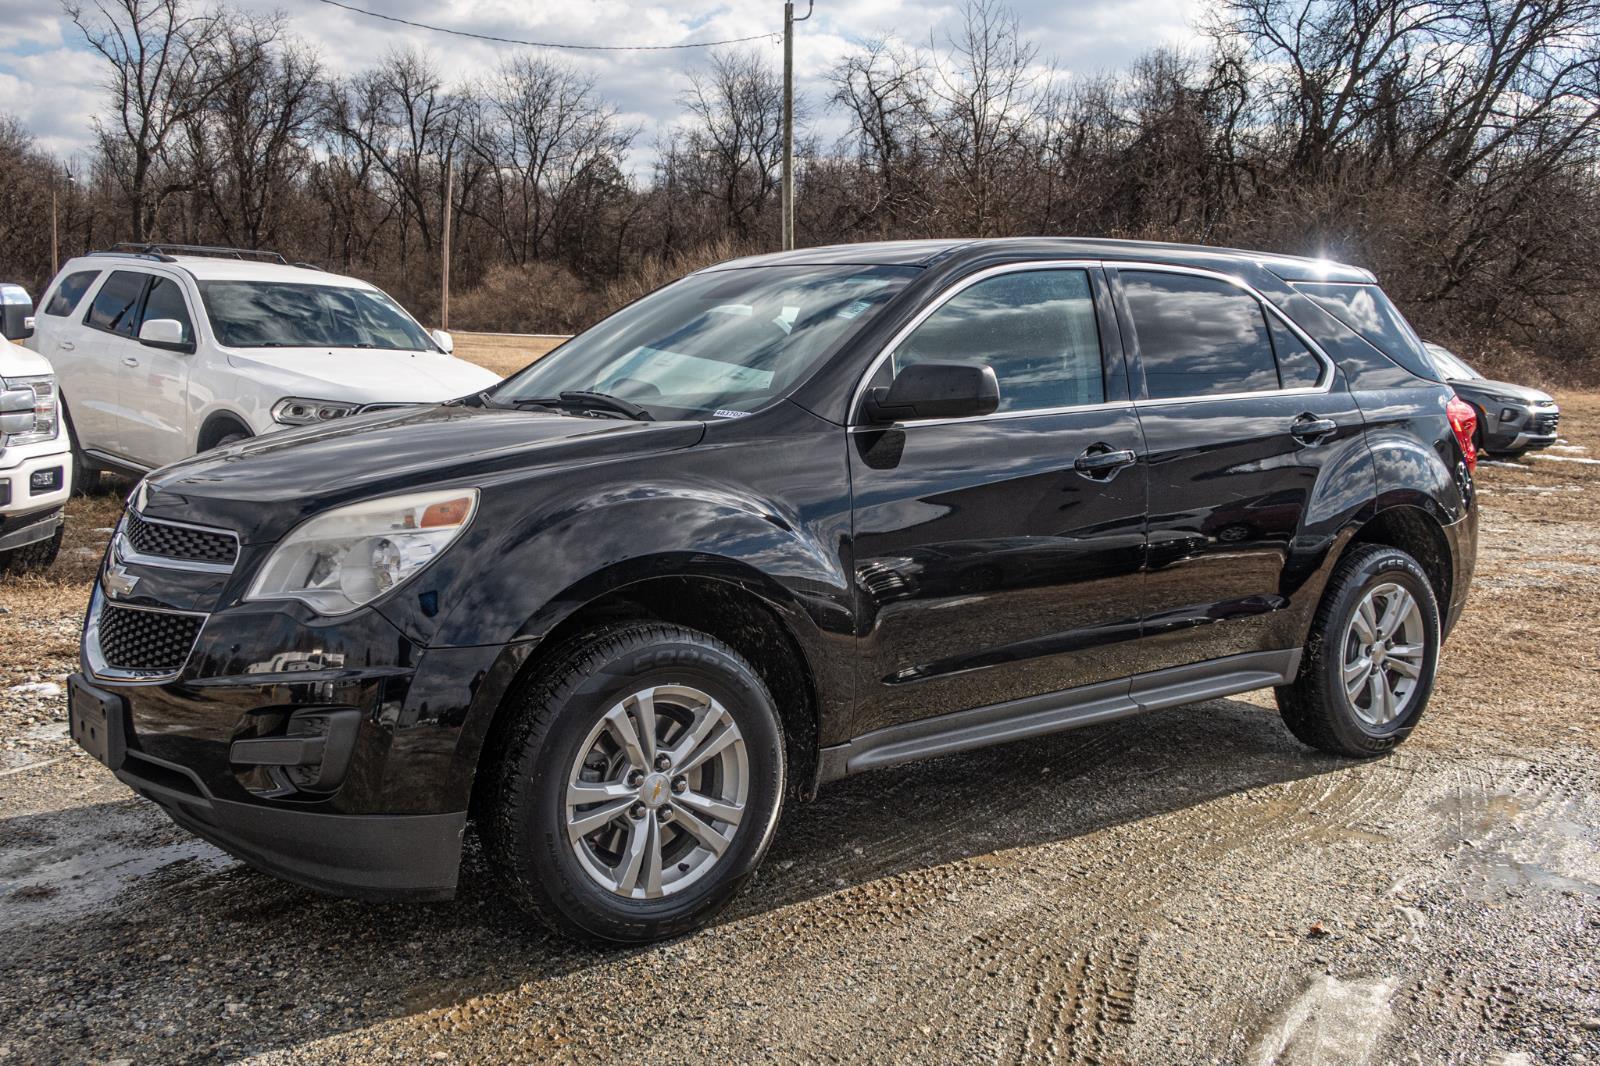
(590, 401)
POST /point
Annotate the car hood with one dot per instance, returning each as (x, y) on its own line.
(1480, 387)
(264, 486)
(371, 375)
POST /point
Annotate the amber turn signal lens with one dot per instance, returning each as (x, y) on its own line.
(448, 513)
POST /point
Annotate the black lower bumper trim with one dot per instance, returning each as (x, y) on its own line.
(363, 856)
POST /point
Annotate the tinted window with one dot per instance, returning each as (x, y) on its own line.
(1365, 309)
(70, 291)
(1297, 367)
(113, 305)
(1035, 328)
(166, 301)
(1198, 336)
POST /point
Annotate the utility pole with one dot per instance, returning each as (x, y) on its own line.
(55, 240)
(444, 264)
(788, 118)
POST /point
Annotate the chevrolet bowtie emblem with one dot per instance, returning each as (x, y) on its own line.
(119, 582)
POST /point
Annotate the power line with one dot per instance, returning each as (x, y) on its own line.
(548, 44)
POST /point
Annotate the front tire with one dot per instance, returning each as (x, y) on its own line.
(1370, 661)
(32, 558)
(638, 785)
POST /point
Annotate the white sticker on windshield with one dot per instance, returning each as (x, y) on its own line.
(723, 412)
(854, 309)
(785, 321)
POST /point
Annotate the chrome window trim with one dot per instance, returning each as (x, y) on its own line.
(1323, 386)
(1324, 383)
(126, 553)
(854, 420)
(96, 658)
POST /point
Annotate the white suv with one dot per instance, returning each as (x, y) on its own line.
(162, 352)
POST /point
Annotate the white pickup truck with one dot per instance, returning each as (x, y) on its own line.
(35, 455)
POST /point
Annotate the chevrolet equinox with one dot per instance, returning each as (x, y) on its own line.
(786, 519)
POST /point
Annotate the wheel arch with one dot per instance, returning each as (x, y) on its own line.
(217, 424)
(1417, 531)
(723, 598)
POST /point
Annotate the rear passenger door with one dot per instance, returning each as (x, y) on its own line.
(100, 344)
(1245, 426)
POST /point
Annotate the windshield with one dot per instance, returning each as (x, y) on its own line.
(716, 344)
(1450, 364)
(274, 314)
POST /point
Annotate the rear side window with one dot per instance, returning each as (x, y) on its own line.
(1198, 336)
(166, 301)
(1036, 328)
(69, 292)
(114, 304)
(1297, 367)
(1367, 310)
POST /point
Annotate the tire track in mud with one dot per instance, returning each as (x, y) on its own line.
(1079, 1004)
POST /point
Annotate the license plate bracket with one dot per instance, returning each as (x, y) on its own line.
(95, 719)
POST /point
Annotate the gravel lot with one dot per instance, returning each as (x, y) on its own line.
(1184, 887)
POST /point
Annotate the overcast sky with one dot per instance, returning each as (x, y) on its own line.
(53, 83)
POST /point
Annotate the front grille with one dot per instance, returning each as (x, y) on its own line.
(1546, 421)
(149, 536)
(150, 641)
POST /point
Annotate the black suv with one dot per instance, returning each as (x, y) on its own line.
(784, 520)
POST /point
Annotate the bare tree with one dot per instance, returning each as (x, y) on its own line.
(159, 79)
(734, 140)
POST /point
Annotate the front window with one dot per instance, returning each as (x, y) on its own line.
(720, 343)
(275, 314)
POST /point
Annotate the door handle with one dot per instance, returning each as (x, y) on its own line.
(67, 346)
(1101, 463)
(129, 360)
(1309, 429)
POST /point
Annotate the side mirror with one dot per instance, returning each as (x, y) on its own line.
(936, 390)
(16, 312)
(164, 333)
(446, 342)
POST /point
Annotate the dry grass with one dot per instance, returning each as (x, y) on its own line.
(505, 354)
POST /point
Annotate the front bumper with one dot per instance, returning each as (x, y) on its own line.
(34, 478)
(387, 819)
(411, 857)
(1516, 427)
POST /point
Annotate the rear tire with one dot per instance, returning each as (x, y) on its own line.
(1370, 660)
(86, 480)
(635, 862)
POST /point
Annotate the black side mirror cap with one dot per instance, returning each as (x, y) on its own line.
(936, 390)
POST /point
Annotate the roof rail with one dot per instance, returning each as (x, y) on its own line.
(165, 252)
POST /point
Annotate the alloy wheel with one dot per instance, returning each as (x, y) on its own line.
(657, 792)
(1385, 648)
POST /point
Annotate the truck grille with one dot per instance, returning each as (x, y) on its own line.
(147, 641)
(1546, 421)
(149, 536)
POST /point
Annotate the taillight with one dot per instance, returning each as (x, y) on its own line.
(1463, 421)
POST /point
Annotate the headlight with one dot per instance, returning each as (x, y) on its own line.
(27, 410)
(340, 560)
(294, 411)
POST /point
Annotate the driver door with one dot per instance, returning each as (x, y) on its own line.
(155, 381)
(1000, 556)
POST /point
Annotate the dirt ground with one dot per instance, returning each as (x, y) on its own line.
(504, 353)
(1190, 886)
